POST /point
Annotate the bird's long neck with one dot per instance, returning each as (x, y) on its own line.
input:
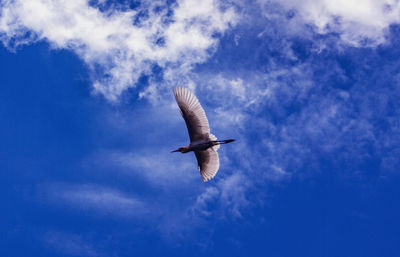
(185, 149)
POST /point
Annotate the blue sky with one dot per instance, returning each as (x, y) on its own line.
(309, 89)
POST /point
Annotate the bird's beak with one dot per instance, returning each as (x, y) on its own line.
(174, 151)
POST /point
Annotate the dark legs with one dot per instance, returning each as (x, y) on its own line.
(221, 142)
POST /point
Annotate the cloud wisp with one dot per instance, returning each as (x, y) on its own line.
(96, 199)
(357, 22)
(69, 244)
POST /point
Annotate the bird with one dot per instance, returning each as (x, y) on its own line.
(204, 144)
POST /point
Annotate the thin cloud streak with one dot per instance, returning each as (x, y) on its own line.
(95, 199)
(68, 244)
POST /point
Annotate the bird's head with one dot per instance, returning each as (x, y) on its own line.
(180, 149)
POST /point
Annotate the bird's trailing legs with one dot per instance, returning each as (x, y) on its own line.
(221, 142)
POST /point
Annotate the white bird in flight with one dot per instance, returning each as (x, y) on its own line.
(202, 142)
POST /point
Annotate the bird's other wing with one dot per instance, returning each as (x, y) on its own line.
(208, 162)
(192, 113)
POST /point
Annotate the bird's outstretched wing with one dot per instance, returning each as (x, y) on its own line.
(192, 113)
(208, 162)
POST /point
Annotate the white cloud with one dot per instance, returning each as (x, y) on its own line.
(117, 51)
(359, 22)
(97, 199)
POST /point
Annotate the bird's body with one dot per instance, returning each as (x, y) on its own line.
(202, 142)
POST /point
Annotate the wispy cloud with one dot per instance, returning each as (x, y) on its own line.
(229, 193)
(95, 199)
(68, 244)
(159, 168)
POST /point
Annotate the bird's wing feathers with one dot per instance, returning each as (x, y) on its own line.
(199, 129)
(192, 113)
(208, 162)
